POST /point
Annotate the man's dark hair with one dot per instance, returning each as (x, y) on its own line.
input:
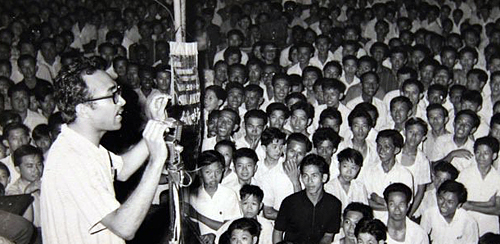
(251, 190)
(398, 187)
(26, 150)
(454, 187)
(318, 161)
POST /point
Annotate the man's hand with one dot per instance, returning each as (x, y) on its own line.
(461, 153)
(208, 238)
(291, 171)
(153, 135)
(376, 198)
(156, 105)
(33, 186)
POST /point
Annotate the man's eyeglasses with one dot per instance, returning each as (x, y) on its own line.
(115, 96)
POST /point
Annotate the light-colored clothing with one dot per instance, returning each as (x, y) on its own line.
(276, 186)
(19, 187)
(463, 228)
(9, 162)
(481, 190)
(231, 182)
(446, 145)
(414, 235)
(221, 207)
(357, 192)
(420, 169)
(220, 56)
(77, 191)
(33, 119)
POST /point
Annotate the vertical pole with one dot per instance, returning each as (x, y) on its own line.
(180, 20)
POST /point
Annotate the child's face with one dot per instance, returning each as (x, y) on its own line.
(221, 72)
(448, 59)
(439, 177)
(448, 204)
(242, 237)
(326, 149)
(349, 223)
(367, 238)
(332, 97)
(304, 54)
(350, 67)
(281, 89)
(17, 138)
(463, 126)
(467, 61)
(295, 152)
(400, 112)
(386, 149)
(414, 135)
(484, 156)
(245, 168)
(330, 123)
(473, 83)
(252, 100)
(360, 128)
(277, 119)
(274, 150)
(31, 167)
(413, 93)
(211, 175)
(147, 80)
(226, 124)
(43, 143)
(436, 119)
(48, 104)
(442, 77)
(299, 121)
(369, 85)
(211, 102)
(28, 68)
(254, 128)
(309, 79)
(250, 206)
(237, 75)
(235, 98)
(331, 72)
(348, 170)
(163, 81)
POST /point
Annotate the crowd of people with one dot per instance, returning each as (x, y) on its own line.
(325, 121)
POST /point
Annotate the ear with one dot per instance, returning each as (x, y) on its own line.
(17, 169)
(324, 178)
(255, 169)
(6, 143)
(334, 150)
(261, 101)
(495, 156)
(475, 61)
(255, 239)
(473, 131)
(309, 122)
(81, 110)
(446, 120)
(341, 96)
(479, 108)
(397, 150)
(219, 103)
(236, 127)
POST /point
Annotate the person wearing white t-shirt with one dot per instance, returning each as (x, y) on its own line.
(400, 229)
(448, 222)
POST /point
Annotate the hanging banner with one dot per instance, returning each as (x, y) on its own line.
(186, 83)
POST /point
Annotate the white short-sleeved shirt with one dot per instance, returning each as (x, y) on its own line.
(262, 169)
(261, 153)
(379, 104)
(463, 228)
(221, 207)
(231, 182)
(479, 189)
(295, 69)
(414, 235)
(420, 169)
(276, 186)
(33, 119)
(398, 174)
(357, 191)
(371, 158)
(77, 191)
(220, 56)
(446, 145)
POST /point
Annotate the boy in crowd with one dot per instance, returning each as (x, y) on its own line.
(400, 109)
(41, 137)
(212, 204)
(15, 135)
(272, 141)
(302, 114)
(326, 142)
(311, 215)
(345, 187)
(371, 231)
(20, 101)
(283, 180)
(330, 118)
(350, 68)
(388, 170)
(29, 163)
(278, 114)
(251, 204)
(305, 53)
(226, 148)
(227, 123)
(413, 159)
(400, 229)
(254, 122)
(483, 185)
(447, 221)
(457, 148)
(245, 164)
(351, 216)
(441, 172)
(244, 230)
(333, 93)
